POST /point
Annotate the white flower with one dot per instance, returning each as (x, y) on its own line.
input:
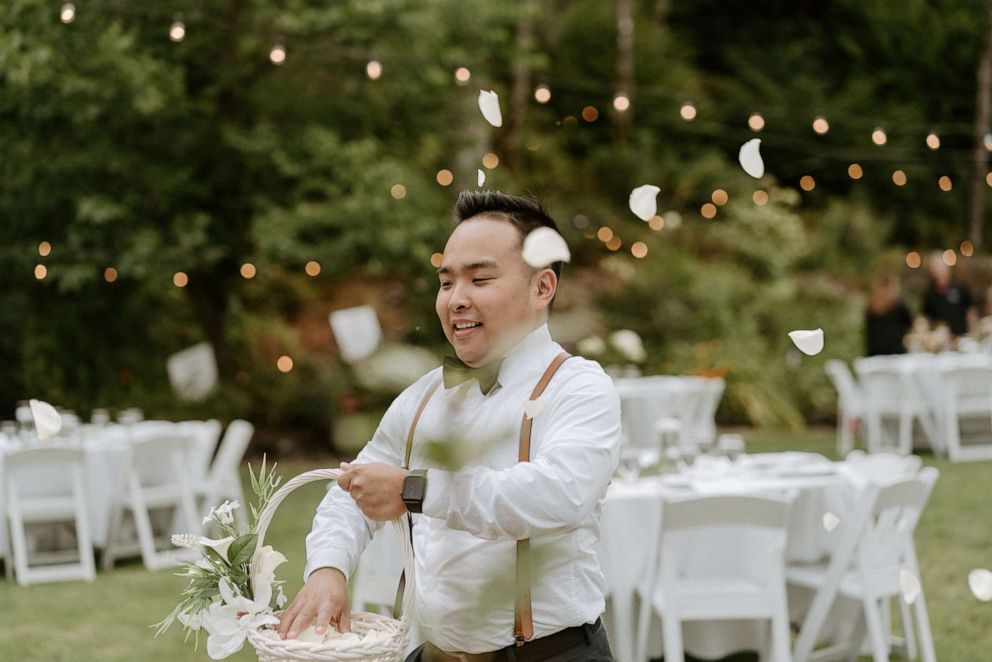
(750, 158)
(229, 620)
(643, 201)
(266, 560)
(629, 344)
(192, 621)
(224, 513)
(591, 346)
(280, 598)
(47, 421)
(191, 541)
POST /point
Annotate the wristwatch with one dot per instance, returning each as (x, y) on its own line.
(414, 489)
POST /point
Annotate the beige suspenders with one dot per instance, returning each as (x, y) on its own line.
(523, 621)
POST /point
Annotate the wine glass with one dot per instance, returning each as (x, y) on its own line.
(732, 445)
(630, 464)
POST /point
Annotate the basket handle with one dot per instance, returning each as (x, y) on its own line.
(333, 474)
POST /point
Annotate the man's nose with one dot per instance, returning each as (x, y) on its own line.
(459, 299)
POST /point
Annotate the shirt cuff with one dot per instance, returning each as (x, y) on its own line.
(328, 558)
(435, 500)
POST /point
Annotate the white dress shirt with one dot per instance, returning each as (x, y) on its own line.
(465, 540)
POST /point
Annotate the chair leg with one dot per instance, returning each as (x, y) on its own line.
(876, 632)
(672, 629)
(857, 638)
(20, 549)
(927, 651)
(146, 536)
(8, 554)
(780, 649)
(83, 540)
(908, 631)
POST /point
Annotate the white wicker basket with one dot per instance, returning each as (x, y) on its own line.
(394, 634)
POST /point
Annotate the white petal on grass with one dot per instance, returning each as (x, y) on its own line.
(980, 583)
(644, 201)
(534, 407)
(482, 177)
(489, 105)
(47, 421)
(830, 521)
(909, 584)
(543, 247)
(750, 158)
(809, 341)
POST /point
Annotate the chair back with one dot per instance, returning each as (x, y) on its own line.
(848, 389)
(160, 460)
(232, 449)
(969, 390)
(48, 471)
(645, 400)
(205, 436)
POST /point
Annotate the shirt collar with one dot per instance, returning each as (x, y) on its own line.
(527, 356)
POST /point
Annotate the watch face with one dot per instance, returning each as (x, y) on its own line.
(413, 487)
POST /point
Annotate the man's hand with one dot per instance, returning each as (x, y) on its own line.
(376, 488)
(322, 600)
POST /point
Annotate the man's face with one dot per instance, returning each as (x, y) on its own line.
(488, 297)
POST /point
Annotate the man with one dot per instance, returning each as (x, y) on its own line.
(947, 301)
(494, 309)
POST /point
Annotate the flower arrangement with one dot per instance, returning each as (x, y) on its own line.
(232, 588)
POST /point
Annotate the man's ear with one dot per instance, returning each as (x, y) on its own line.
(547, 285)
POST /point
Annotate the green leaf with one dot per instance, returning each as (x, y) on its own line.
(242, 549)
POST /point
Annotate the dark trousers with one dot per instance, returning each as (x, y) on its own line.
(596, 648)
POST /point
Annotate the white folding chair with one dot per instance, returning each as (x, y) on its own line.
(875, 547)
(155, 476)
(968, 397)
(646, 400)
(702, 425)
(890, 394)
(45, 485)
(223, 481)
(739, 575)
(205, 437)
(850, 403)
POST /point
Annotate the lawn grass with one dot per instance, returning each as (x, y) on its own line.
(108, 620)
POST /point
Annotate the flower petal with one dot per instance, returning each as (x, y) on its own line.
(262, 589)
(643, 201)
(909, 584)
(534, 407)
(489, 105)
(830, 521)
(750, 158)
(47, 421)
(809, 342)
(482, 177)
(267, 560)
(228, 592)
(543, 247)
(220, 646)
(980, 583)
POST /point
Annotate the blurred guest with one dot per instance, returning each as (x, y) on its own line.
(948, 301)
(887, 320)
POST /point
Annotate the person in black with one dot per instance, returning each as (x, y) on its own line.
(948, 301)
(887, 319)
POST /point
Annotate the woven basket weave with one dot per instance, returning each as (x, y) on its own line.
(392, 635)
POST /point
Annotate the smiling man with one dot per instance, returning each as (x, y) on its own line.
(525, 514)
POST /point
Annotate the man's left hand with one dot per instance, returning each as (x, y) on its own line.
(376, 488)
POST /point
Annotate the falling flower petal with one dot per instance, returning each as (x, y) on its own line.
(750, 158)
(47, 421)
(543, 247)
(643, 201)
(809, 342)
(482, 177)
(909, 584)
(629, 344)
(489, 105)
(980, 583)
(830, 521)
(534, 407)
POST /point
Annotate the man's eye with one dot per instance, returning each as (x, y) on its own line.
(481, 280)
(445, 285)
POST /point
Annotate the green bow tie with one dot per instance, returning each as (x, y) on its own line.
(455, 372)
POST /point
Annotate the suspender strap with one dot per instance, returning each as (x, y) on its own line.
(401, 587)
(523, 617)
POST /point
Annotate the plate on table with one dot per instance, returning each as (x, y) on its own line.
(804, 470)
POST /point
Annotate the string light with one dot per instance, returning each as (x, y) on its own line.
(967, 248)
(756, 122)
(933, 140)
(807, 183)
(719, 197)
(913, 260)
(177, 31)
(621, 102)
(110, 274)
(945, 183)
(639, 249)
(854, 171)
(180, 279)
(40, 271)
(248, 270)
(708, 210)
(398, 191)
(899, 178)
(949, 257)
(878, 136)
(490, 160)
(760, 197)
(542, 94)
(604, 234)
(462, 75)
(445, 177)
(278, 53)
(312, 268)
(67, 15)
(284, 363)
(44, 249)
(820, 125)
(590, 114)
(373, 69)
(688, 111)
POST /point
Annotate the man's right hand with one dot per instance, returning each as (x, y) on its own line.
(322, 600)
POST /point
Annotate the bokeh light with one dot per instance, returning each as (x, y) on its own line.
(248, 270)
(278, 54)
(542, 94)
(284, 363)
(933, 140)
(398, 191)
(40, 271)
(590, 114)
(312, 268)
(656, 223)
(68, 13)
(756, 122)
(899, 178)
(436, 259)
(688, 112)
(604, 234)
(708, 210)
(462, 75)
(821, 125)
(878, 136)
(445, 177)
(639, 249)
(719, 197)
(177, 31)
(949, 257)
(180, 279)
(490, 160)
(760, 197)
(374, 69)
(967, 248)
(110, 274)
(854, 171)
(913, 260)
(621, 103)
(44, 249)
(945, 183)
(807, 183)
(614, 244)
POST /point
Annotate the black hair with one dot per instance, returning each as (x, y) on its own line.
(525, 214)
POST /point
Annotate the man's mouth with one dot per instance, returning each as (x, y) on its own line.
(463, 329)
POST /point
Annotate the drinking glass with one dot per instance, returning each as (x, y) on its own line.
(630, 464)
(732, 445)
